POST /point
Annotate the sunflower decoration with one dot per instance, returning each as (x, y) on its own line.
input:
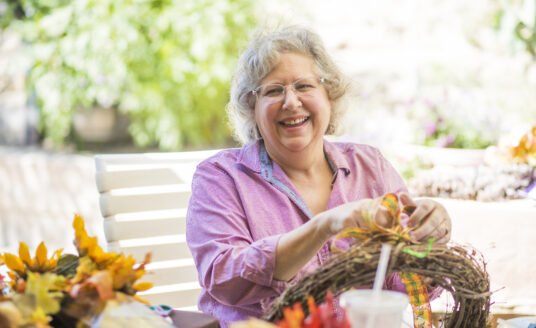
(66, 290)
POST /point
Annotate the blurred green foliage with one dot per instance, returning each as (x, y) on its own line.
(166, 64)
(518, 17)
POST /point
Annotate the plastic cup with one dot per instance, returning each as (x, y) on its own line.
(366, 310)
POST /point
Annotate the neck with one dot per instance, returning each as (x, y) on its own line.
(299, 163)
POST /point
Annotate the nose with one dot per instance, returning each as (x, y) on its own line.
(291, 99)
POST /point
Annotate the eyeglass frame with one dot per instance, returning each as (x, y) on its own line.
(258, 95)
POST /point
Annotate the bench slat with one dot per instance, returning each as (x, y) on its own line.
(111, 204)
(109, 180)
(116, 230)
(162, 252)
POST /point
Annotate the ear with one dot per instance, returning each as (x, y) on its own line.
(251, 99)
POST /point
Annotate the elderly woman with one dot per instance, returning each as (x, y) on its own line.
(263, 216)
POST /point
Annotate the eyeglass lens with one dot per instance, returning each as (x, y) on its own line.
(276, 91)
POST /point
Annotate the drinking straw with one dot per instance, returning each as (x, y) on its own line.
(378, 280)
(380, 271)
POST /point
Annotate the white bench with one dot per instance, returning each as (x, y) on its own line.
(143, 199)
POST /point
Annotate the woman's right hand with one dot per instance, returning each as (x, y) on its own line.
(350, 215)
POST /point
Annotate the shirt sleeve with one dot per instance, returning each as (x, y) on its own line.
(232, 267)
(393, 182)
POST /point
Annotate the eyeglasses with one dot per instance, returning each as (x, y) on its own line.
(275, 92)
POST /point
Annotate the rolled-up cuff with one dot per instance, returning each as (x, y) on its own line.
(261, 261)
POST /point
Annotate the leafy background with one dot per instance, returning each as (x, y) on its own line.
(166, 65)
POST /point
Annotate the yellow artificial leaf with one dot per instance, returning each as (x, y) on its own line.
(55, 258)
(141, 300)
(139, 273)
(24, 254)
(40, 319)
(40, 285)
(142, 286)
(78, 225)
(14, 262)
(85, 269)
(41, 255)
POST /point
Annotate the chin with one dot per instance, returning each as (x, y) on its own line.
(296, 145)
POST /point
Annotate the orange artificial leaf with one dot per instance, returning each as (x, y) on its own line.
(143, 286)
(293, 317)
(311, 304)
(24, 254)
(19, 286)
(102, 281)
(14, 262)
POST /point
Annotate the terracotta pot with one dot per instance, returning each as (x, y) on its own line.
(99, 124)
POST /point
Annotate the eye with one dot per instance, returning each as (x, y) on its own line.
(273, 90)
(304, 86)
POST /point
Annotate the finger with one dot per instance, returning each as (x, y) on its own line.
(383, 218)
(446, 231)
(408, 205)
(405, 199)
(443, 240)
(421, 214)
(440, 232)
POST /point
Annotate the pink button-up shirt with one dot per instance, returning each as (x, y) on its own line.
(241, 204)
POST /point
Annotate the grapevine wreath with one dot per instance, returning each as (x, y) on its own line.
(459, 270)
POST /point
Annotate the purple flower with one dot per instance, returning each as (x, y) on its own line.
(445, 141)
(429, 128)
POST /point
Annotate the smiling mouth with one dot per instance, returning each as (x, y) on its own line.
(296, 122)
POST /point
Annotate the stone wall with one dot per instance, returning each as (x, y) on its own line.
(39, 194)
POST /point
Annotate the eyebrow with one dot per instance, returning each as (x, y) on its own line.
(281, 83)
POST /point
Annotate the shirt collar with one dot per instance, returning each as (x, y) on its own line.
(335, 156)
(250, 156)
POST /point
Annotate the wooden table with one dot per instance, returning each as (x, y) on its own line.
(190, 319)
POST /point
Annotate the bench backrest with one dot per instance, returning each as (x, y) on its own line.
(143, 199)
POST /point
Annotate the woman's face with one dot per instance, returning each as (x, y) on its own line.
(298, 119)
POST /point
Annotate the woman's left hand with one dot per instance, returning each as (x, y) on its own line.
(430, 218)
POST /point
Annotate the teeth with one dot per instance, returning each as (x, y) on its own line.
(292, 122)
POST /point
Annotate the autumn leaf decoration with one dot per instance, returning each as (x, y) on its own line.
(106, 272)
(326, 315)
(524, 151)
(68, 285)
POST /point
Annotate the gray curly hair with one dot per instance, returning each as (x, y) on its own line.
(260, 58)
